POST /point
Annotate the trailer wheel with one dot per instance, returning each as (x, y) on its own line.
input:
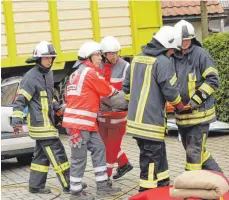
(60, 90)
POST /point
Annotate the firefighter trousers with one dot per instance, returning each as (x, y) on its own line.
(46, 152)
(92, 142)
(153, 164)
(112, 135)
(194, 139)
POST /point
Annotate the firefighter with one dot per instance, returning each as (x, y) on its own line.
(149, 83)
(83, 93)
(198, 80)
(36, 92)
(113, 129)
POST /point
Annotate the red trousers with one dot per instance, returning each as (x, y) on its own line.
(112, 129)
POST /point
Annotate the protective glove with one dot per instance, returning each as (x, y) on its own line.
(60, 112)
(197, 99)
(194, 105)
(75, 138)
(17, 130)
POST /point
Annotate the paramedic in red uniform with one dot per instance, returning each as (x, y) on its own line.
(112, 130)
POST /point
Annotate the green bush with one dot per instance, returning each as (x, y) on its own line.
(218, 47)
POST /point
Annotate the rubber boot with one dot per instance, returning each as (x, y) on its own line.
(39, 190)
(106, 188)
(121, 171)
(81, 195)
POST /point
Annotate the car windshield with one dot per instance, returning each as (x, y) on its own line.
(8, 94)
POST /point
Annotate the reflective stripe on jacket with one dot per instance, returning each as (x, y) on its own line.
(196, 70)
(83, 97)
(36, 91)
(149, 84)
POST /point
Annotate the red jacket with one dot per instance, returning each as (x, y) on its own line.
(83, 97)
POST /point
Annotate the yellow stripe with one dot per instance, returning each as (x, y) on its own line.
(144, 93)
(163, 175)
(45, 108)
(131, 75)
(173, 79)
(202, 148)
(206, 156)
(65, 166)
(39, 168)
(195, 121)
(151, 172)
(221, 198)
(25, 94)
(191, 84)
(197, 99)
(148, 184)
(18, 113)
(54, 100)
(145, 133)
(209, 70)
(127, 96)
(207, 88)
(196, 114)
(176, 101)
(148, 127)
(148, 60)
(191, 167)
(55, 166)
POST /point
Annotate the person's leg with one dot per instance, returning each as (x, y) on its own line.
(55, 151)
(38, 170)
(124, 165)
(163, 171)
(98, 155)
(150, 156)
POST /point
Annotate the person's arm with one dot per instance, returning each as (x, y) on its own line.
(167, 81)
(102, 87)
(126, 84)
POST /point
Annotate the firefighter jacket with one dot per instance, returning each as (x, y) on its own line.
(83, 93)
(196, 71)
(150, 82)
(36, 92)
(115, 73)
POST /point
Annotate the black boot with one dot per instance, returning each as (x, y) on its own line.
(121, 171)
(39, 190)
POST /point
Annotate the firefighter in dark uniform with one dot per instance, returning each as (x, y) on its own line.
(150, 82)
(36, 92)
(198, 80)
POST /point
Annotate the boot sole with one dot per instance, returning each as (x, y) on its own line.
(104, 193)
(128, 170)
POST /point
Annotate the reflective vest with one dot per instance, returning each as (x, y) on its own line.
(83, 97)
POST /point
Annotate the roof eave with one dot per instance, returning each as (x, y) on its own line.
(192, 18)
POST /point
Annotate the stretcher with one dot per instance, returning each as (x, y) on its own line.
(162, 193)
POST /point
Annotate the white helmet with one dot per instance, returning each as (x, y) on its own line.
(44, 49)
(186, 29)
(110, 44)
(168, 37)
(88, 48)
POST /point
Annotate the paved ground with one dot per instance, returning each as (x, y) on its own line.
(14, 177)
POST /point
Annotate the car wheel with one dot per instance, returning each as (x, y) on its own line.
(25, 159)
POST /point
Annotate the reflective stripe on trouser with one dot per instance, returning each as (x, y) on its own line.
(153, 164)
(47, 151)
(92, 142)
(194, 140)
(112, 138)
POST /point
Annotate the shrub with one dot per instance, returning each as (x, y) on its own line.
(218, 47)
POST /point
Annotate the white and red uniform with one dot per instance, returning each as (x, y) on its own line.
(81, 111)
(113, 128)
